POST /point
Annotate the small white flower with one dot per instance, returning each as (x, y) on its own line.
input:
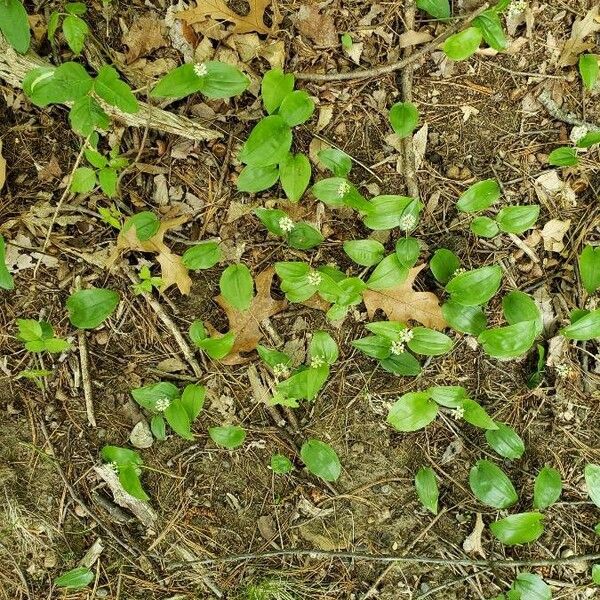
(405, 336)
(316, 362)
(281, 371)
(397, 348)
(314, 278)
(162, 404)
(114, 467)
(516, 8)
(458, 271)
(343, 188)
(201, 69)
(407, 222)
(458, 413)
(286, 224)
(563, 370)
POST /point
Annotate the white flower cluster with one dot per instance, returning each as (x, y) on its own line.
(403, 338)
(458, 413)
(314, 278)
(563, 370)
(407, 222)
(516, 8)
(397, 348)
(162, 404)
(458, 271)
(286, 224)
(281, 371)
(114, 467)
(316, 362)
(343, 188)
(201, 70)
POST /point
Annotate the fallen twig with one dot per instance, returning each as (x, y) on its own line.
(545, 99)
(84, 362)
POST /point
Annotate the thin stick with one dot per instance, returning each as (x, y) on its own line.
(84, 362)
(385, 69)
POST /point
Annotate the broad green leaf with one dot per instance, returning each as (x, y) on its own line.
(589, 139)
(517, 219)
(90, 308)
(563, 157)
(484, 227)
(427, 489)
(337, 161)
(202, 256)
(130, 480)
(272, 218)
(404, 364)
(83, 180)
(256, 179)
(321, 459)
(407, 251)
(114, 90)
(237, 286)
(475, 414)
(281, 464)
(443, 265)
(305, 384)
(450, 396)
(463, 44)
(294, 174)
(392, 330)
(388, 273)
(14, 25)
(296, 108)
(511, 341)
(519, 306)
(323, 346)
(75, 8)
(217, 347)
(178, 83)
(108, 179)
(338, 191)
(146, 224)
(476, 287)
(221, 80)
(192, 400)
(56, 345)
(120, 456)
(41, 87)
(412, 411)
(179, 420)
(520, 528)
(404, 117)
(589, 268)
(86, 115)
(268, 143)
(589, 69)
(505, 441)
(491, 486)
(585, 328)
(273, 357)
(75, 31)
(466, 319)
(592, 482)
(158, 427)
(148, 395)
(479, 196)
(276, 85)
(375, 346)
(429, 342)
(77, 578)
(74, 79)
(364, 252)
(547, 488)
(440, 9)
(531, 587)
(595, 574)
(490, 25)
(6, 279)
(228, 436)
(387, 211)
(304, 236)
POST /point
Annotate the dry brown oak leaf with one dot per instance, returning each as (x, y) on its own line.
(146, 35)
(173, 271)
(402, 303)
(218, 9)
(246, 323)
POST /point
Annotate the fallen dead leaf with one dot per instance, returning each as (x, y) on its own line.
(247, 324)
(218, 9)
(402, 303)
(2, 168)
(49, 171)
(316, 26)
(413, 38)
(355, 51)
(146, 35)
(468, 112)
(553, 233)
(274, 53)
(472, 543)
(550, 189)
(173, 271)
(420, 145)
(575, 45)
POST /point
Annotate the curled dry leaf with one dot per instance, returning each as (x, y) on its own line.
(146, 35)
(402, 303)
(472, 543)
(553, 233)
(576, 44)
(316, 26)
(2, 167)
(247, 324)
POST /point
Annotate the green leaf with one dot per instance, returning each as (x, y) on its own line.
(412, 411)
(202, 256)
(178, 83)
(388, 273)
(221, 80)
(595, 574)
(520, 528)
(427, 489)
(86, 115)
(177, 417)
(296, 108)
(321, 459)
(304, 384)
(108, 179)
(268, 143)
(323, 346)
(6, 279)
(148, 395)
(338, 191)
(90, 308)
(304, 236)
(407, 251)
(585, 328)
(276, 85)
(192, 400)
(271, 219)
(74, 79)
(547, 488)
(511, 341)
(14, 25)
(429, 342)
(463, 44)
(484, 227)
(77, 578)
(531, 587)
(589, 139)
(346, 40)
(75, 31)
(404, 117)
(273, 357)
(491, 486)
(450, 396)
(518, 307)
(589, 69)
(120, 456)
(237, 286)
(53, 23)
(158, 427)
(475, 414)
(589, 268)
(404, 364)
(480, 196)
(386, 212)
(256, 179)
(228, 436)
(466, 319)
(114, 90)
(517, 219)
(375, 346)
(505, 441)
(56, 345)
(443, 265)
(337, 161)
(146, 224)
(490, 25)
(30, 330)
(475, 287)
(592, 482)
(440, 9)
(281, 464)
(364, 252)
(563, 157)
(294, 173)
(216, 347)
(83, 180)
(130, 480)
(75, 8)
